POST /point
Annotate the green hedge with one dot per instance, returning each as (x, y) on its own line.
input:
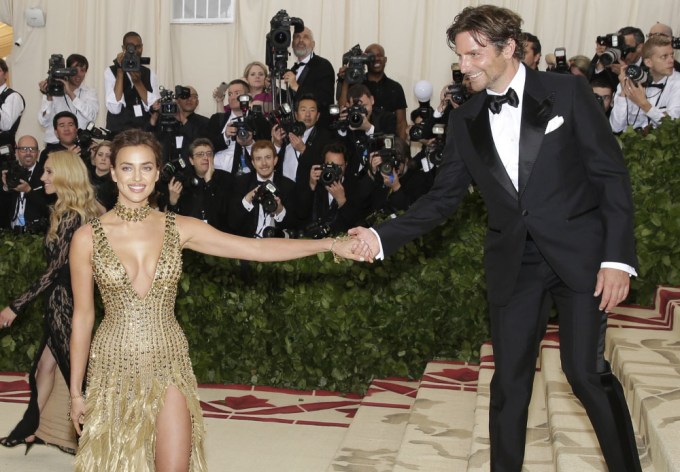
(315, 324)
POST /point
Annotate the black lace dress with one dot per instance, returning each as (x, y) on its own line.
(55, 283)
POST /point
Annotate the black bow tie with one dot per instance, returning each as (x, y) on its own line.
(659, 86)
(297, 66)
(495, 102)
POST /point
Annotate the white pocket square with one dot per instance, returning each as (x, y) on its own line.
(553, 124)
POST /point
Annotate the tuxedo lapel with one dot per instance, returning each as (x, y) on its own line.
(305, 71)
(536, 110)
(482, 140)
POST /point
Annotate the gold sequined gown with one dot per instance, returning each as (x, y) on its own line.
(138, 351)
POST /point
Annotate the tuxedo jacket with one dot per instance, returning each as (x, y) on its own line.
(317, 78)
(37, 202)
(574, 197)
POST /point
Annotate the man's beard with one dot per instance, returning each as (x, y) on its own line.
(301, 52)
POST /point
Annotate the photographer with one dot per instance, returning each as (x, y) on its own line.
(311, 74)
(201, 191)
(65, 125)
(76, 98)
(643, 98)
(129, 94)
(261, 199)
(660, 29)
(388, 95)
(360, 122)
(297, 153)
(532, 50)
(12, 105)
(396, 185)
(25, 205)
(333, 201)
(186, 127)
(231, 133)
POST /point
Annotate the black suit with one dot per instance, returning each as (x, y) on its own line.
(318, 79)
(36, 208)
(244, 222)
(573, 210)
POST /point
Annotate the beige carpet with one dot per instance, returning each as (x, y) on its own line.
(248, 429)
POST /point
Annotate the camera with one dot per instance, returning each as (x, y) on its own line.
(265, 196)
(274, 232)
(330, 173)
(423, 129)
(356, 114)
(384, 145)
(355, 62)
(91, 132)
(638, 74)
(168, 106)
(181, 169)
(131, 62)
(284, 118)
(57, 70)
(278, 41)
(561, 64)
(335, 122)
(431, 155)
(675, 42)
(457, 90)
(616, 48)
(15, 171)
(317, 230)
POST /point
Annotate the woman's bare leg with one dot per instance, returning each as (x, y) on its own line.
(44, 380)
(173, 433)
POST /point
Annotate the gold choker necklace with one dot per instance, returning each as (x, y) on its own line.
(131, 214)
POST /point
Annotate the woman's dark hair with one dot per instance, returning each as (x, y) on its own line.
(136, 137)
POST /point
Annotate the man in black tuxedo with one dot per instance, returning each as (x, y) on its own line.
(311, 74)
(24, 203)
(560, 223)
(261, 199)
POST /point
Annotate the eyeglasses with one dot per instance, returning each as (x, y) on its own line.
(203, 154)
(27, 149)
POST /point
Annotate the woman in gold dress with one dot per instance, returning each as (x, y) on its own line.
(142, 410)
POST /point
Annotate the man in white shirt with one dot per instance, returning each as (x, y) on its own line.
(129, 94)
(643, 103)
(11, 107)
(78, 98)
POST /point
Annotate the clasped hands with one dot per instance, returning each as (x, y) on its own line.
(361, 245)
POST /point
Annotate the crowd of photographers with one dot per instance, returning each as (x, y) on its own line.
(297, 150)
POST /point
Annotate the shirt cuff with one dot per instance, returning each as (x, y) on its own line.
(279, 218)
(381, 255)
(620, 266)
(247, 205)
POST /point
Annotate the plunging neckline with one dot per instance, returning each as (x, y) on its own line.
(125, 271)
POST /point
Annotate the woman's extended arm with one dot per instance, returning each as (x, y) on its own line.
(197, 236)
(82, 282)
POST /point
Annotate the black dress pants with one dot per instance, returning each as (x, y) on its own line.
(516, 331)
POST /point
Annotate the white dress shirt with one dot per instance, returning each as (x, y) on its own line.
(85, 106)
(291, 157)
(115, 106)
(664, 101)
(11, 110)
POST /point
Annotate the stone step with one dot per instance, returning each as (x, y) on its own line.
(538, 453)
(574, 444)
(647, 362)
(438, 433)
(373, 439)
